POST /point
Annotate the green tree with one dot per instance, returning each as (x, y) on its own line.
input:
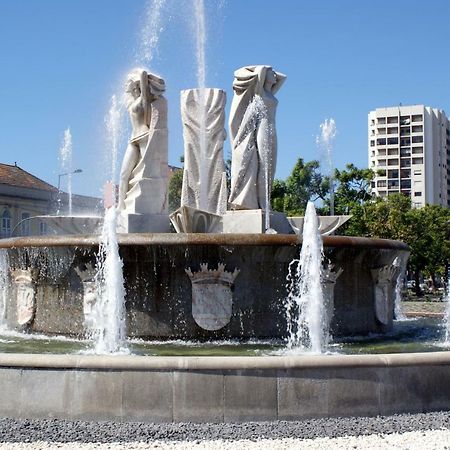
(175, 185)
(305, 183)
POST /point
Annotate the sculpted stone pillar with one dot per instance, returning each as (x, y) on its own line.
(384, 279)
(24, 284)
(329, 278)
(143, 189)
(204, 178)
(253, 135)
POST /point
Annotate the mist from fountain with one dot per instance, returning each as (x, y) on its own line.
(65, 162)
(150, 33)
(199, 35)
(257, 112)
(307, 322)
(446, 321)
(4, 286)
(108, 315)
(398, 311)
(325, 142)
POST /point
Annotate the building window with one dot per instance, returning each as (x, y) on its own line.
(381, 120)
(393, 173)
(382, 162)
(405, 142)
(417, 194)
(406, 151)
(381, 183)
(372, 143)
(417, 129)
(392, 162)
(393, 130)
(418, 172)
(417, 160)
(381, 141)
(405, 120)
(381, 130)
(6, 224)
(393, 151)
(417, 118)
(382, 152)
(25, 224)
(392, 119)
(417, 150)
(417, 139)
(392, 141)
(42, 228)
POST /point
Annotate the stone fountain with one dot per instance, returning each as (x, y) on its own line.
(221, 276)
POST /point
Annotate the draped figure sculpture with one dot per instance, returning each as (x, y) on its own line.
(144, 172)
(253, 136)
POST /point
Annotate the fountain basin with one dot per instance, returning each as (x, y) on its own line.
(159, 298)
(221, 389)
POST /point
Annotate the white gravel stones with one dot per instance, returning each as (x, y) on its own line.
(413, 440)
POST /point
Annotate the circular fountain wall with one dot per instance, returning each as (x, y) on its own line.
(201, 286)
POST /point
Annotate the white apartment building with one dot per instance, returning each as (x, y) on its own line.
(411, 145)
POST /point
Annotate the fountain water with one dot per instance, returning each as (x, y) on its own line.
(401, 264)
(306, 315)
(65, 159)
(446, 321)
(4, 286)
(257, 112)
(325, 141)
(200, 53)
(108, 316)
(150, 33)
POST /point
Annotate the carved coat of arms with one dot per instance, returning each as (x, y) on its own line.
(212, 297)
(25, 296)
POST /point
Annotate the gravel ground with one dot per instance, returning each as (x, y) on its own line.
(408, 431)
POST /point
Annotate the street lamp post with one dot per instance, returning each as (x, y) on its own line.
(64, 174)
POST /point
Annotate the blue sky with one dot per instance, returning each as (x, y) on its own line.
(62, 60)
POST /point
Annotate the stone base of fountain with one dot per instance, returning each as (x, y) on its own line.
(254, 221)
(327, 224)
(64, 225)
(191, 220)
(160, 293)
(222, 389)
(143, 223)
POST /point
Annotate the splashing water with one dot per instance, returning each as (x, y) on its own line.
(65, 161)
(150, 33)
(199, 35)
(256, 116)
(305, 310)
(108, 314)
(113, 126)
(446, 321)
(325, 141)
(398, 311)
(4, 286)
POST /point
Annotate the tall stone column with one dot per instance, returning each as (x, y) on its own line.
(204, 179)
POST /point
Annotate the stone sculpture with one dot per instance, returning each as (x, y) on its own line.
(253, 135)
(24, 281)
(204, 178)
(384, 279)
(87, 273)
(212, 297)
(144, 173)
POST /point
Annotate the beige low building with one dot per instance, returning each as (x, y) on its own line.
(24, 196)
(411, 145)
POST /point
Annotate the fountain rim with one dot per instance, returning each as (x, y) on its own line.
(189, 363)
(173, 239)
